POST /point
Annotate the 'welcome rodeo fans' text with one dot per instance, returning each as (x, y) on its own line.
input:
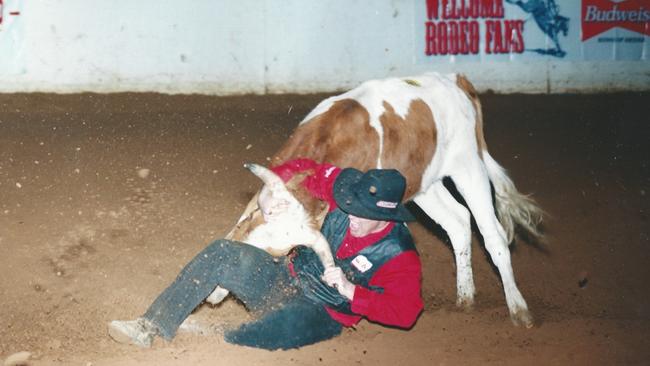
(453, 28)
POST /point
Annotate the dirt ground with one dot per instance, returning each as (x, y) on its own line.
(103, 198)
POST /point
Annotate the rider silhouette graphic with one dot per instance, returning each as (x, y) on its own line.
(547, 16)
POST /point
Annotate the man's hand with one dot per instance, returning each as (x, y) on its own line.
(334, 277)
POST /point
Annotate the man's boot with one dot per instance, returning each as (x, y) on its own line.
(139, 332)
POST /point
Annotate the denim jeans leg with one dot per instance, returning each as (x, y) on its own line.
(297, 323)
(252, 275)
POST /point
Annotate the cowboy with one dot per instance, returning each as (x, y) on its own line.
(294, 302)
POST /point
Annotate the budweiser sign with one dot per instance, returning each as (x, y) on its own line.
(599, 16)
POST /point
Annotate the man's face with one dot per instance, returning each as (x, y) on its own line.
(361, 227)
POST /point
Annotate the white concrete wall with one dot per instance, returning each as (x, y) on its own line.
(252, 46)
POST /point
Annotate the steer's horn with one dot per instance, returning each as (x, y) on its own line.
(266, 175)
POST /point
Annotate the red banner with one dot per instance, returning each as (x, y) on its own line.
(599, 16)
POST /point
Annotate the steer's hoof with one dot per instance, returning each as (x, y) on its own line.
(465, 304)
(522, 318)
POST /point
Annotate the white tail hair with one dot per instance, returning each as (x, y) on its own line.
(513, 208)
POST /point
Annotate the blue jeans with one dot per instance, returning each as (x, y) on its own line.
(285, 317)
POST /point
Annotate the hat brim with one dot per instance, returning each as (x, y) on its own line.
(350, 203)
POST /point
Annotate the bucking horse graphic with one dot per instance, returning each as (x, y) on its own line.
(547, 16)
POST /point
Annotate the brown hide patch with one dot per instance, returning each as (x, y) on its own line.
(316, 208)
(409, 144)
(471, 93)
(341, 136)
(237, 233)
(246, 226)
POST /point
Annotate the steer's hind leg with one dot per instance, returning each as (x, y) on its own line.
(473, 184)
(442, 208)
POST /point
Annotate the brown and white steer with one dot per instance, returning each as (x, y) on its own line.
(428, 127)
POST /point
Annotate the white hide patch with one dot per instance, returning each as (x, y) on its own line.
(282, 235)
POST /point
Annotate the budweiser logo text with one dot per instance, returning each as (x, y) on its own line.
(615, 15)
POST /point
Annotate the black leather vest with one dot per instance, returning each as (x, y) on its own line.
(369, 259)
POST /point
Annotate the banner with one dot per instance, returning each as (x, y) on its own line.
(12, 57)
(507, 30)
(615, 29)
(10, 11)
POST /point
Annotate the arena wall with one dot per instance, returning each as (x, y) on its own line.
(266, 46)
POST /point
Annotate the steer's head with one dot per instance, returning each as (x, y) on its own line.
(275, 198)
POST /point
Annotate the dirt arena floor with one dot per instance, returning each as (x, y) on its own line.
(103, 198)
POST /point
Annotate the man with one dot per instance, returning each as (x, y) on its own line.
(378, 271)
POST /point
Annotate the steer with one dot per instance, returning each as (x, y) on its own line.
(428, 127)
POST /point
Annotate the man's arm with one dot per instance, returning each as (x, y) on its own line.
(319, 184)
(400, 303)
(287, 169)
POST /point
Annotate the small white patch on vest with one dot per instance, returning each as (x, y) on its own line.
(361, 263)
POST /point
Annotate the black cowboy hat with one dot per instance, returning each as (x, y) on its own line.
(376, 194)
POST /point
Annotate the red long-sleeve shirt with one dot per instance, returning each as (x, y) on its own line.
(400, 302)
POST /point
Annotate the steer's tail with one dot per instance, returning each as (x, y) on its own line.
(513, 208)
